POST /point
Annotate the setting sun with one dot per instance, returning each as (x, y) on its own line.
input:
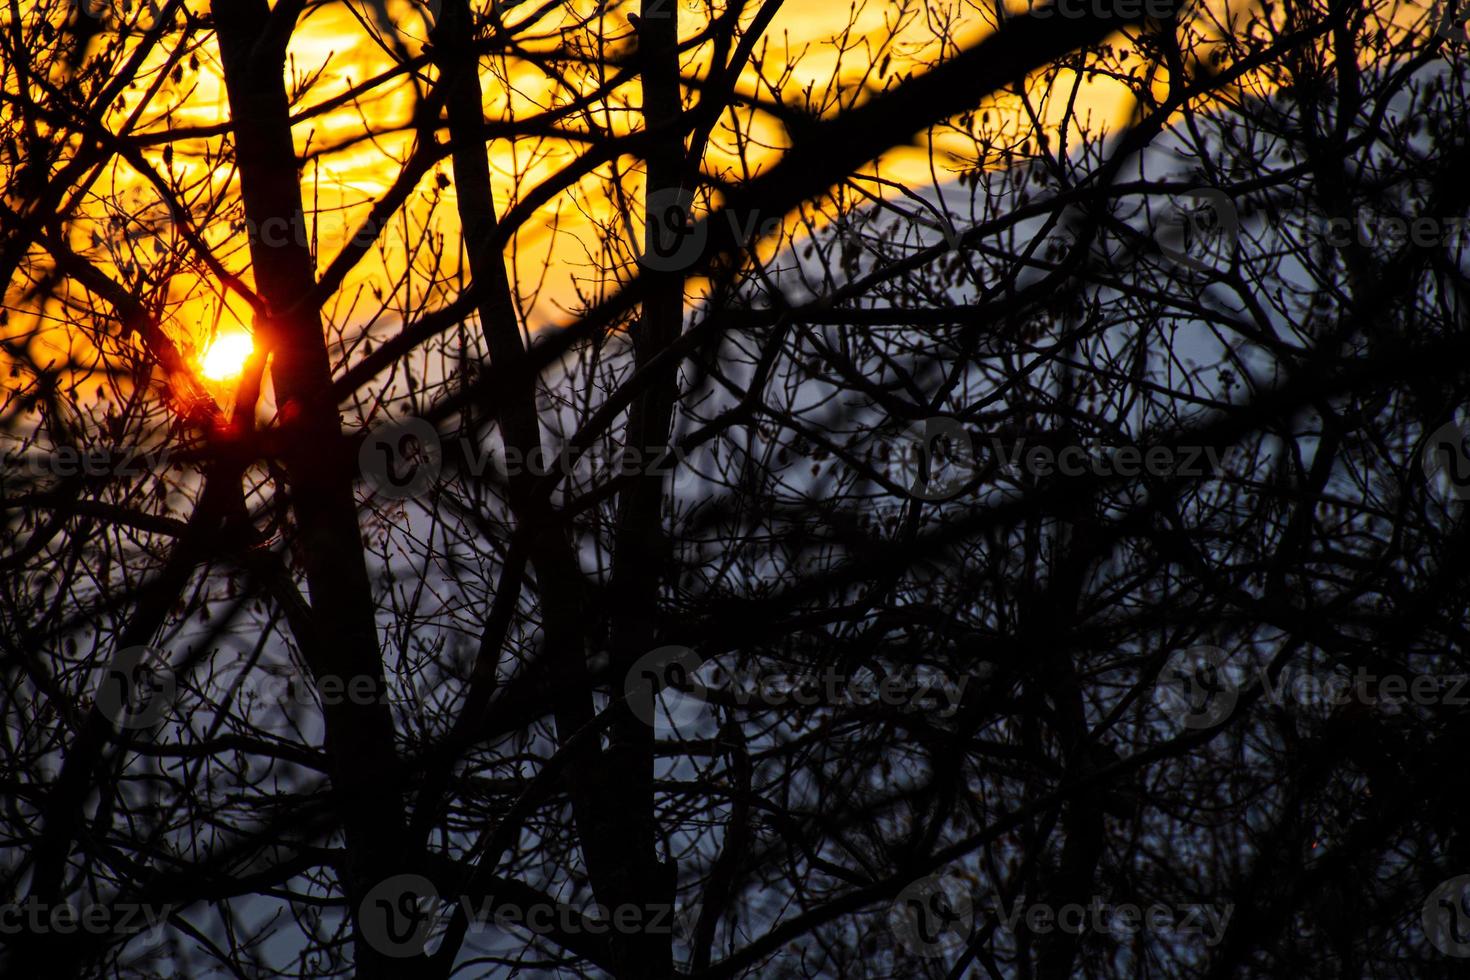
(226, 356)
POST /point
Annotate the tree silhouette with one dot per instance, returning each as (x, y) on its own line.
(659, 531)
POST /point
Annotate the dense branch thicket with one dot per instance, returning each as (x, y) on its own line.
(722, 489)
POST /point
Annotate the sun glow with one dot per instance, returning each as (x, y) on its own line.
(226, 356)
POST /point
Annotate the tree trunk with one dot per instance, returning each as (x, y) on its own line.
(359, 736)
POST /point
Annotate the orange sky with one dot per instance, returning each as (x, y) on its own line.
(333, 46)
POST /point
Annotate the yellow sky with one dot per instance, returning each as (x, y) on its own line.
(332, 38)
(334, 48)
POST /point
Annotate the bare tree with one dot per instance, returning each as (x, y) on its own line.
(658, 531)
